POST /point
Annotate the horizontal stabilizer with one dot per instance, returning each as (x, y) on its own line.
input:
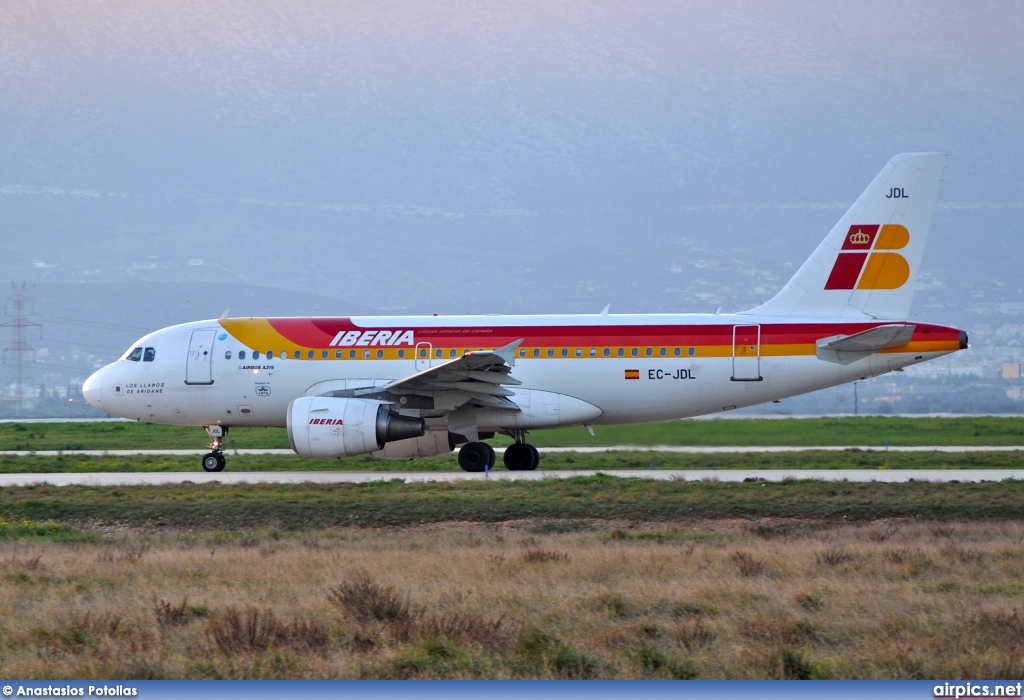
(845, 349)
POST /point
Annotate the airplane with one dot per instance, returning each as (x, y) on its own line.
(405, 387)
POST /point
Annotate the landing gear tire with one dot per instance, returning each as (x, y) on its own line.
(475, 456)
(536, 457)
(214, 462)
(520, 457)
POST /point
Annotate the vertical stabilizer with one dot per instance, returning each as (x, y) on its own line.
(868, 264)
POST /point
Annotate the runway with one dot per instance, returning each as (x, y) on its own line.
(723, 475)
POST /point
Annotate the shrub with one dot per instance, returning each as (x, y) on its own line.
(365, 599)
(562, 659)
(747, 564)
(833, 557)
(252, 629)
(795, 667)
(541, 556)
(658, 662)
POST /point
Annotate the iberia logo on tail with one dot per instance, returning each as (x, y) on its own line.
(860, 265)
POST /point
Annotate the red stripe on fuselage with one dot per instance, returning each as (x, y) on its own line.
(319, 332)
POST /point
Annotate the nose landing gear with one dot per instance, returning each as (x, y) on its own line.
(214, 461)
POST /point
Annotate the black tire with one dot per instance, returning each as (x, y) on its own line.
(536, 458)
(475, 456)
(520, 458)
(213, 462)
(492, 459)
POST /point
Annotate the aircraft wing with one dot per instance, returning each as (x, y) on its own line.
(847, 348)
(477, 377)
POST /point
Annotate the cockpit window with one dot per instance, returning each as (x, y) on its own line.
(149, 355)
(135, 355)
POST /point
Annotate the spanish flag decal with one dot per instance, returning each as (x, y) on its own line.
(632, 374)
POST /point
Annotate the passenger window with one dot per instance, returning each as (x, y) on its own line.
(366, 354)
(453, 353)
(423, 353)
(565, 352)
(536, 352)
(310, 355)
(150, 355)
(663, 352)
(401, 354)
(593, 352)
(649, 352)
(551, 352)
(621, 352)
(135, 355)
(677, 352)
(522, 352)
(241, 354)
(634, 352)
(255, 354)
(380, 354)
(351, 354)
(691, 352)
(270, 354)
(579, 352)
(227, 355)
(439, 353)
(337, 354)
(607, 352)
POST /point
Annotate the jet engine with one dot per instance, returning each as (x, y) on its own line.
(325, 426)
(435, 442)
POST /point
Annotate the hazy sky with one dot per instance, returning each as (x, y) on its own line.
(473, 155)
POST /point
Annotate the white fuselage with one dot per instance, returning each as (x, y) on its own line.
(631, 368)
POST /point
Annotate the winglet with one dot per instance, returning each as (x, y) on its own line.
(508, 352)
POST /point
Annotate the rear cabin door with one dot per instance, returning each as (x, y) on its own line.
(199, 367)
(746, 354)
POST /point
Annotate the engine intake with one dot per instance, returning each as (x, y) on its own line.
(324, 426)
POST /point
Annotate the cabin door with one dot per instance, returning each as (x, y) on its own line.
(746, 354)
(199, 366)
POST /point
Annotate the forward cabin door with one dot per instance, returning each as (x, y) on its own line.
(746, 353)
(199, 367)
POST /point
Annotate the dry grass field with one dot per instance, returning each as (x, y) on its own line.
(524, 599)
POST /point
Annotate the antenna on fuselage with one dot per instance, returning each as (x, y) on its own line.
(225, 314)
(606, 309)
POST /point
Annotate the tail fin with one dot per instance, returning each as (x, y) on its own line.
(867, 265)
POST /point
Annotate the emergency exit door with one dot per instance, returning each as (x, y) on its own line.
(746, 354)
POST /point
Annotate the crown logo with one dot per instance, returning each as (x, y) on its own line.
(860, 238)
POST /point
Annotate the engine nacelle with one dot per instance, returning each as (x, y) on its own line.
(325, 426)
(434, 442)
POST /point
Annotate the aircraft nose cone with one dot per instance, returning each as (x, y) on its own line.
(91, 390)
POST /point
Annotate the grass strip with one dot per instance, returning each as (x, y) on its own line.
(845, 431)
(395, 503)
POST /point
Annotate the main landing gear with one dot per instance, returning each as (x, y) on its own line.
(519, 456)
(214, 461)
